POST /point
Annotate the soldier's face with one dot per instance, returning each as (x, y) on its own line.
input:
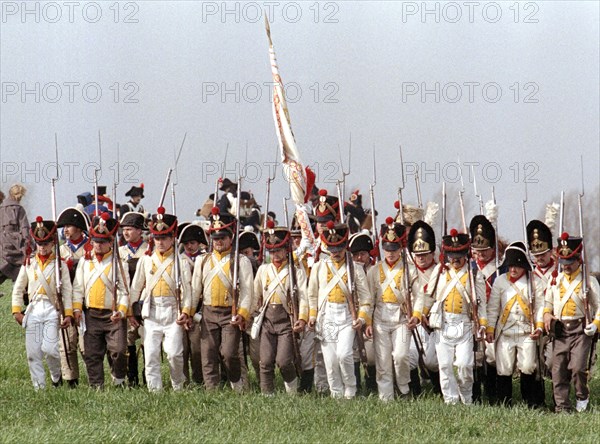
(101, 247)
(320, 227)
(163, 243)
(515, 272)
(72, 232)
(458, 262)
(191, 247)
(278, 256)
(392, 256)
(362, 257)
(136, 199)
(296, 241)
(132, 234)
(483, 255)
(571, 268)
(544, 259)
(249, 252)
(423, 260)
(222, 244)
(45, 249)
(338, 255)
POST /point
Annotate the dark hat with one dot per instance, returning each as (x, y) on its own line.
(73, 216)
(136, 191)
(568, 248)
(221, 224)
(515, 255)
(84, 199)
(101, 190)
(276, 237)
(392, 235)
(356, 198)
(335, 236)
(539, 237)
(327, 208)
(163, 224)
(248, 239)
(103, 228)
(42, 230)
(421, 238)
(360, 242)
(456, 244)
(191, 232)
(226, 184)
(483, 235)
(134, 219)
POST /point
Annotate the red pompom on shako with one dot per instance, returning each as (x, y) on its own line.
(389, 220)
(322, 192)
(453, 232)
(270, 224)
(564, 236)
(214, 210)
(39, 219)
(330, 225)
(161, 210)
(397, 204)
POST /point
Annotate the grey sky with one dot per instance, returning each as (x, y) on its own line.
(528, 104)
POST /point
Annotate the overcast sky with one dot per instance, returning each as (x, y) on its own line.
(511, 88)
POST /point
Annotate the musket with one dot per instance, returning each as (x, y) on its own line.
(57, 262)
(96, 171)
(235, 297)
(530, 289)
(561, 215)
(293, 294)
(218, 184)
(418, 187)
(477, 193)
(373, 215)
(270, 179)
(497, 258)
(400, 188)
(352, 297)
(461, 192)
(116, 257)
(444, 222)
(176, 263)
(286, 219)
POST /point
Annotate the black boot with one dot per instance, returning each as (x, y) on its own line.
(57, 383)
(371, 379)
(504, 390)
(306, 381)
(490, 384)
(415, 382)
(532, 391)
(477, 379)
(435, 382)
(357, 374)
(132, 366)
(73, 383)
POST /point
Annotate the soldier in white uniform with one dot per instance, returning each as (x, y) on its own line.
(392, 325)
(514, 325)
(104, 303)
(135, 194)
(167, 302)
(133, 225)
(421, 245)
(75, 225)
(213, 288)
(273, 294)
(37, 278)
(565, 305)
(329, 297)
(452, 317)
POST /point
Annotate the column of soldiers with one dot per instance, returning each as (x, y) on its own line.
(477, 316)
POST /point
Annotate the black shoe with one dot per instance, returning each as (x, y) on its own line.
(371, 379)
(73, 383)
(415, 383)
(57, 383)
(357, 375)
(504, 390)
(306, 381)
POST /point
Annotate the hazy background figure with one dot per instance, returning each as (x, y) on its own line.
(14, 233)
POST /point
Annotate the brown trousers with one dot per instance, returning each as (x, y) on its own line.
(102, 336)
(192, 354)
(74, 341)
(218, 338)
(569, 363)
(276, 347)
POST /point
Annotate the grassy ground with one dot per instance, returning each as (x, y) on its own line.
(134, 415)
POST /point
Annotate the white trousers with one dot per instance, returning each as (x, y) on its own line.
(336, 344)
(454, 347)
(160, 328)
(514, 343)
(430, 357)
(391, 339)
(41, 340)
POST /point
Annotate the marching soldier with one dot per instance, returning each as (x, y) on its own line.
(213, 288)
(483, 250)
(41, 319)
(75, 225)
(135, 194)
(274, 286)
(194, 242)
(510, 317)
(566, 306)
(133, 225)
(104, 307)
(421, 246)
(331, 312)
(360, 245)
(391, 323)
(452, 317)
(166, 307)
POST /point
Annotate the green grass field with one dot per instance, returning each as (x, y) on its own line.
(134, 415)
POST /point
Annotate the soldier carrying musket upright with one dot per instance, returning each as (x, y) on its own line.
(41, 318)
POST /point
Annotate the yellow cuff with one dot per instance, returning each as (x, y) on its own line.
(122, 308)
(596, 322)
(482, 322)
(490, 330)
(539, 325)
(68, 312)
(362, 314)
(244, 313)
(187, 311)
(16, 309)
(426, 310)
(417, 314)
(303, 317)
(313, 313)
(77, 306)
(547, 310)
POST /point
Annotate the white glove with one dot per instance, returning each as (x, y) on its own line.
(590, 329)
